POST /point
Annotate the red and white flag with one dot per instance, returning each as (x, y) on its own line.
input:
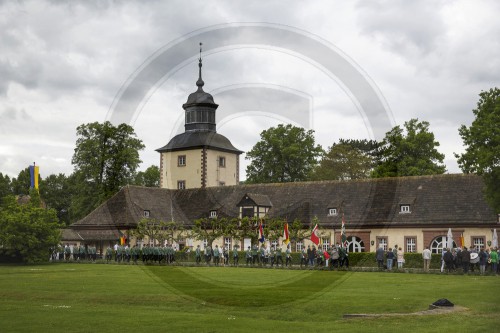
(314, 235)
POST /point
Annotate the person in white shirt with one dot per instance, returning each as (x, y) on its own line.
(426, 255)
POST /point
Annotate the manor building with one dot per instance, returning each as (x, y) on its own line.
(200, 179)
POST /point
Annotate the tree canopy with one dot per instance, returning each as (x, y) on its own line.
(28, 229)
(482, 144)
(106, 158)
(149, 178)
(284, 154)
(409, 152)
(347, 159)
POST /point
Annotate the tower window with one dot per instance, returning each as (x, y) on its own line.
(222, 161)
(181, 184)
(181, 160)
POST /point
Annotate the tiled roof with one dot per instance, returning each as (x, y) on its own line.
(452, 200)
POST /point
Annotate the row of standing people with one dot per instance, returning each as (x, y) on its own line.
(75, 253)
(391, 256)
(148, 254)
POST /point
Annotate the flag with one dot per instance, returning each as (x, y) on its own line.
(342, 233)
(314, 235)
(34, 176)
(462, 242)
(261, 233)
(286, 236)
(494, 239)
(449, 239)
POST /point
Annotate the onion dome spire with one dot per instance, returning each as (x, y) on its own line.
(200, 82)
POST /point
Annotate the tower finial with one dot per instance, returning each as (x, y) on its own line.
(200, 82)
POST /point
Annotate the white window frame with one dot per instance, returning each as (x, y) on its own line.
(181, 160)
(384, 242)
(222, 161)
(213, 214)
(410, 244)
(181, 184)
(299, 246)
(274, 244)
(478, 242)
(146, 213)
(228, 241)
(332, 212)
(404, 209)
(325, 243)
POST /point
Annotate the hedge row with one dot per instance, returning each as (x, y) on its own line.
(356, 259)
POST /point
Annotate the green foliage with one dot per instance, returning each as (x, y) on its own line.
(412, 153)
(348, 159)
(213, 228)
(106, 158)
(159, 231)
(56, 193)
(21, 185)
(5, 185)
(148, 178)
(482, 142)
(284, 154)
(28, 229)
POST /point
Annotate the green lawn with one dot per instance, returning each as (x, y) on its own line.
(113, 298)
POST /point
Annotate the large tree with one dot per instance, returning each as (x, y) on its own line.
(28, 229)
(284, 154)
(482, 142)
(409, 152)
(347, 159)
(106, 158)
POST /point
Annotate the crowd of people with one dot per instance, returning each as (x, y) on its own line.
(469, 260)
(334, 257)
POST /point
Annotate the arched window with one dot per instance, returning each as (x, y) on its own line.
(439, 243)
(355, 244)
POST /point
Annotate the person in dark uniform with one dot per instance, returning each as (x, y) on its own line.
(235, 255)
(198, 255)
(249, 256)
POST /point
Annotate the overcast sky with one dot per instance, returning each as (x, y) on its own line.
(63, 64)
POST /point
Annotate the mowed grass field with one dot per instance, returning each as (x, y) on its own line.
(114, 298)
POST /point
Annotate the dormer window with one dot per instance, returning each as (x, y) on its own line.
(404, 209)
(332, 211)
(146, 213)
(213, 214)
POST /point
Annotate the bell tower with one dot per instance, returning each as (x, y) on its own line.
(199, 157)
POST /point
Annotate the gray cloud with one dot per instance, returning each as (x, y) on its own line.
(62, 63)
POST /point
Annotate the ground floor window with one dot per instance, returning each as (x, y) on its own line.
(382, 241)
(411, 244)
(299, 246)
(439, 243)
(355, 244)
(325, 243)
(478, 242)
(274, 244)
(227, 242)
